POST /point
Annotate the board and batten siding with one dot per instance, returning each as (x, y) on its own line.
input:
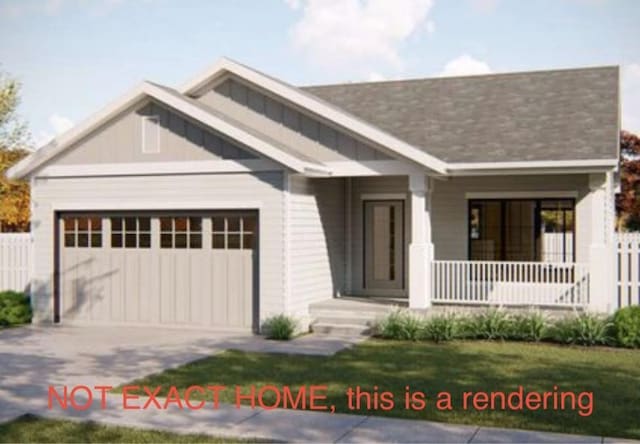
(375, 188)
(316, 241)
(180, 139)
(449, 205)
(299, 130)
(160, 192)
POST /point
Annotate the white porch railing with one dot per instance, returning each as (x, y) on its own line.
(15, 261)
(510, 283)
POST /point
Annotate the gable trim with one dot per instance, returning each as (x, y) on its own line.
(147, 89)
(316, 106)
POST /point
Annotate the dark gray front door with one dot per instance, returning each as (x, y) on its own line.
(383, 240)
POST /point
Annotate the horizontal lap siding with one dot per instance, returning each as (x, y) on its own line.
(449, 208)
(114, 192)
(317, 251)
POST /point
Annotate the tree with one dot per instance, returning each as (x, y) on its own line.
(628, 200)
(14, 145)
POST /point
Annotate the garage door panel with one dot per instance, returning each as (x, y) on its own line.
(199, 284)
(168, 269)
(131, 288)
(182, 286)
(116, 296)
(99, 287)
(219, 288)
(167, 288)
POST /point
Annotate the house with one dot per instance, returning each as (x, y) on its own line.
(239, 196)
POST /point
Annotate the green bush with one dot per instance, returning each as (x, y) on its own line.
(15, 308)
(280, 327)
(626, 326)
(442, 328)
(582, 329)
(491, 324)
(532, 327)
(401, 325)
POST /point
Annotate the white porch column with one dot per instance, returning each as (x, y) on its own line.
(601, 259)
(421, 247)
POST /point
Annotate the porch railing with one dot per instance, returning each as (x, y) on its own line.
(510, 283)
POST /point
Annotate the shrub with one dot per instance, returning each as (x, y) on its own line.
(280, 327)
(442, 328)
(401, 325)
(15, 308)
(626, 326)
(491, 324)
(582, 329)
(531, 326)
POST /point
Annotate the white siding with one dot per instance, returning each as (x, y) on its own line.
(113, 193)
(317, 242)
(450, 208)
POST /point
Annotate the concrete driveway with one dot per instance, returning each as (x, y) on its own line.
(32, 358)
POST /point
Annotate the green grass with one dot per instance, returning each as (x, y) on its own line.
(613, 375)
(30, 428)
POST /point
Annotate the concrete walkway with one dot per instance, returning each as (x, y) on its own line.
(305, 426)
(33, 358)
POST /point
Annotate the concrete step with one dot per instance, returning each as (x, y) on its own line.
(340, 329)
(345, 319)
(344, 314)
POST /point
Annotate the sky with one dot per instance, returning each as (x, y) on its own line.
(75, 56)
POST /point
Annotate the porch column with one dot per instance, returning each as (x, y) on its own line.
(601, 259)
(421, 248)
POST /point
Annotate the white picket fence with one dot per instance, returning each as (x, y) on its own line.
(15, 261)
(628, 269)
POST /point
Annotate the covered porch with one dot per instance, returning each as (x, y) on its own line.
(509, 240)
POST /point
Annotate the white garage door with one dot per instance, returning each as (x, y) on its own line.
(178, 269)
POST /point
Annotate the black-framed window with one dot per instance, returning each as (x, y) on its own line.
(521, 230)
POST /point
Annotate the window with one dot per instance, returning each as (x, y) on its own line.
(180, 232)
(82, 231)
(130, 232)
(150, 134)
(233, 232)
(522, 230)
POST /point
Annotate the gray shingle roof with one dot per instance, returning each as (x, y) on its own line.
(568, 114)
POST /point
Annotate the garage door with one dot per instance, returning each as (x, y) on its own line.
(178, 269)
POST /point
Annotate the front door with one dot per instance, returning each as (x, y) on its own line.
(384, 244)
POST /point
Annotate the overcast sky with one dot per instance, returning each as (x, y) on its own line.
(74, 56)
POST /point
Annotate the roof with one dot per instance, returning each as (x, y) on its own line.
(555, 120)
(555, 115)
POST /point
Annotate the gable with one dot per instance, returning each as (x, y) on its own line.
(179, 139)
(299, 130)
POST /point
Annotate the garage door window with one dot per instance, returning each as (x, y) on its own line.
(233, 232)
(82, 232)
(181, 232)
(130, 232)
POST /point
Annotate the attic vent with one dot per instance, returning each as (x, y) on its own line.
(150, 134)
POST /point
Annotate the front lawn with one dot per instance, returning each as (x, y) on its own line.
(613, 375)
(33, 429)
